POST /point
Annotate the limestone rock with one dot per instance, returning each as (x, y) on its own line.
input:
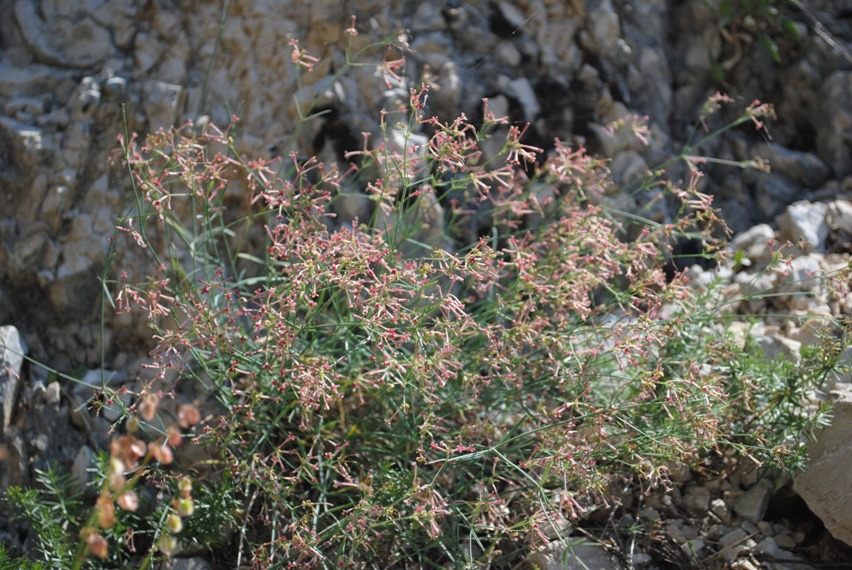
(579, 554)
(754, 243)
(826, 483)
(83, 462)
(61, 38)
(752, 504)
(12, 351)
(835, 122)
(192, 563)
(803, 168)
(697, 498)
(804, 223)
(839, 216)
(161, 104)
(773, 192)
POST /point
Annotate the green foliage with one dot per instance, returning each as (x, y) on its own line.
(52, 512)
(7, 562)
(775, 400)
(747, 20)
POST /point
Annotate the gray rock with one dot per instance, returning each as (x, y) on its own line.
(804, 223)
(844, 376)
(754, 243)
(770, 548)
(752, 504)
(161, 102)
(733, 543)
(753, 288)
(32, 30)
(777, 346)
(24, 108)
(84, 43)
(834, 123)
(826, 483)
(512, 14)
(27, 143)
(185, 564)
(115, 86)
(522, 89)
(13, 348)
(803, 168)
(447, 97)
(579, 554)
(118, 16)
(13, 467)
(721, 509)
(801, 275)
(95, 381)
(773, 193)
(628, 166)
(62, 39)
(838, 216)
(603, 31)
(697, 498)
(427, 18)
(83, 462)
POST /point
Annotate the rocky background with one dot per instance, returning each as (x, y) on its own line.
(74, 75)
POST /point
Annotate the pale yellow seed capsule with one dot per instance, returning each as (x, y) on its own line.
(174, 524)
(167, 544)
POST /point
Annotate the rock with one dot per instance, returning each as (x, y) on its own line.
(83, 462)
(118, 16)
(696, 498)
(834, 123)
(773, 193)
(96, 381)
(721, 509)
(785, 541)
(804, 224)
(752, 504)
(680, 531)
(803, 168)
(84, 42)
(63, 40)
(734, 543)
(801, 274)
(603, 29)
(12, 352)
(694, 548)
(770, 548)
(512, 14)
(115, 409)
(447, 97)
(521, 89)
(838, 215)
(744, 564)
(754, 288)
(52, 394)
(754, 243)
(628, 166)
(776, 346)
(161, 103)
(578, 554)
(24, 108)
(844, 376)
(185, 564)
(15, 460)
(27, 143)
(826, 483)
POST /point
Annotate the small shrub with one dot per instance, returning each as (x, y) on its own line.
(457, 377)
